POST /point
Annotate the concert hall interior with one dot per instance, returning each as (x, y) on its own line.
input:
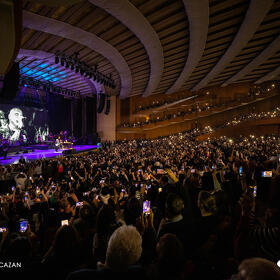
(140, 139)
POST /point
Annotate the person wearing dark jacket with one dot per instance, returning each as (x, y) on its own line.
(175, 223)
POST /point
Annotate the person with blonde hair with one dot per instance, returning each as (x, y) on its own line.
(206, 204)
(124, 248)
(122, 258)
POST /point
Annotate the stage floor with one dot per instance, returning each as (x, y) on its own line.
(38, 154)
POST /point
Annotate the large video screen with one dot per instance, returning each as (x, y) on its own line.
(19, 124)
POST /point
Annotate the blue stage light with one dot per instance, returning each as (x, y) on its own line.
(43, 71)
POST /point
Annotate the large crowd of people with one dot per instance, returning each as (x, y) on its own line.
(166, 208)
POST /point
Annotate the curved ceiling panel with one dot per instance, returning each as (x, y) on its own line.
(261, 58)
(35, 54)
(269, 76)
(64, 30)
(198, 16)
(254, 17)
(134, 20)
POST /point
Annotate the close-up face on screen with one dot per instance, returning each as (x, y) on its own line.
(19, 123)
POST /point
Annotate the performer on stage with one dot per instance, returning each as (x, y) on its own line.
(57, 144)
(39, 138)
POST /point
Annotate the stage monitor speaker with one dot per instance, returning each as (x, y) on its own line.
(108, 105)
(101, 103)
(11, 82)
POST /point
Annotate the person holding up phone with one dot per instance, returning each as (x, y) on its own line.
(23, 225)
(146, 207)
(20, 180)
(264, 239)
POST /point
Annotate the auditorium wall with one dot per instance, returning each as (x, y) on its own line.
(216, 95)
(106, 124)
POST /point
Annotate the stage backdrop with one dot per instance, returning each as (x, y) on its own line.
(27, 124)
(59, 113)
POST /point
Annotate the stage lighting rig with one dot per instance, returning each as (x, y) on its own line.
(85, 70)
(48, 86)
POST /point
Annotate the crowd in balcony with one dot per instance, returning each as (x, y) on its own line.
(200, 107)
(255, 116)
(254, 91)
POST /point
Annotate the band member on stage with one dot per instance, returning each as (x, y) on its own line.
(45, 133)
(39, 138)
(57, 144)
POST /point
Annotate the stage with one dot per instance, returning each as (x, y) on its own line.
(39, 153)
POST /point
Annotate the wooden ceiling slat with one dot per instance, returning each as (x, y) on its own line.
(142, 72)
(213, 55)
(103, 26)
(148, 6)
(208, 61)
(116, 35)
(232, 13)
(168, 80)
(163, 13)
(214, 48)
(182, 27)
(178, 18)
(174, 56)
(174, 44)
(127, 44)
(222, 6)
(223, 26)
(142, 63)
(139, 84)
(204, 67)
(226, 41)
(230, 32)
(196, 77)
(172, 51)
(169, 77)
(88, 17)
(253, 49)
(174, 37)
(271, 62)
(170, 63)
(174, 67)
(133, 49)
